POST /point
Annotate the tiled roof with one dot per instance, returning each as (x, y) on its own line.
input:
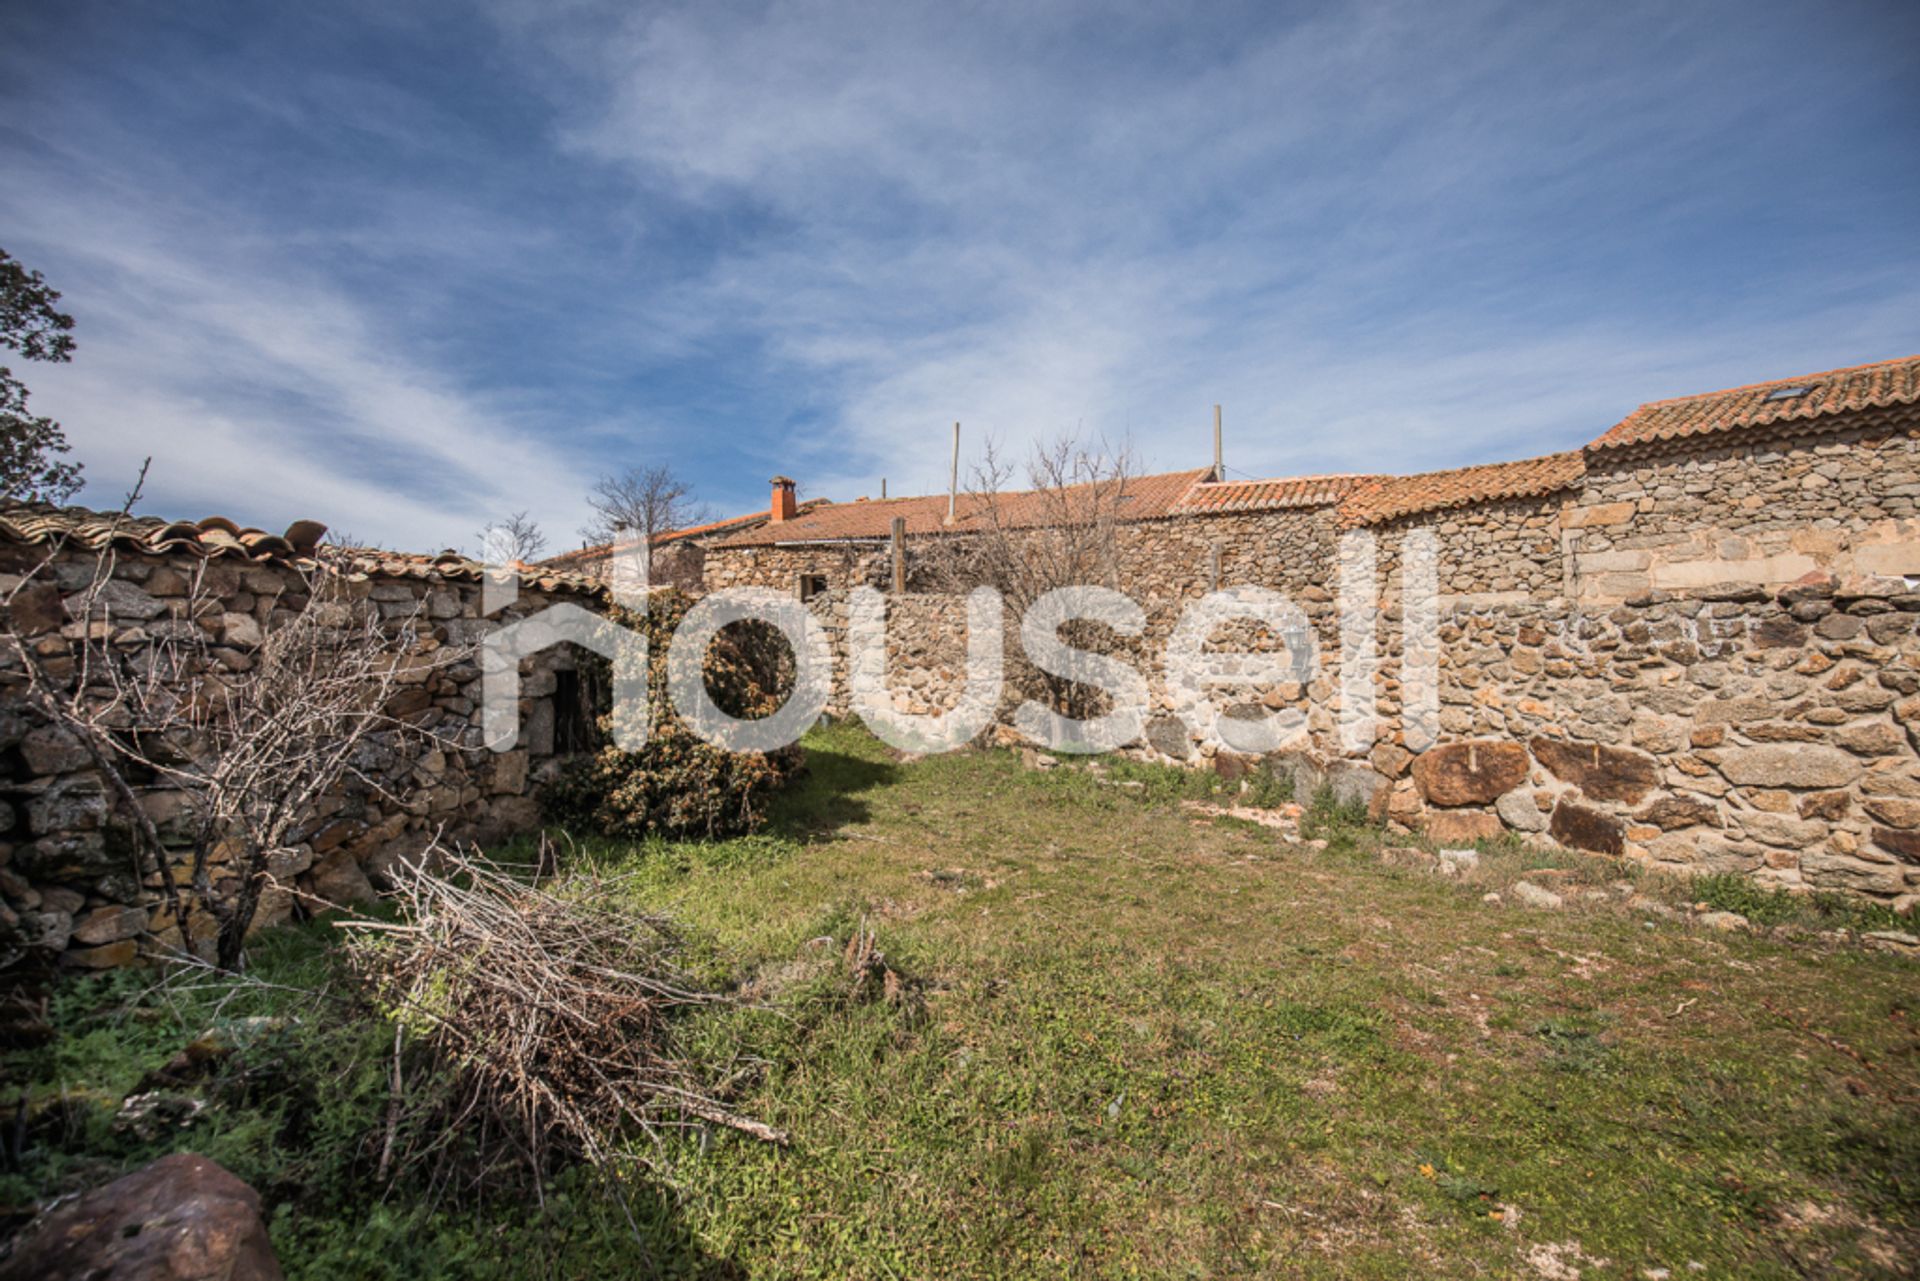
(1269, 495)
(593, 560)
(1144, 498)
(216, 537)
(1391, 497)
(451, 566)
(1877, 386)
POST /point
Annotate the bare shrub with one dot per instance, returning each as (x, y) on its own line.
(551, 1011)
(1061, 531)
(251, 730)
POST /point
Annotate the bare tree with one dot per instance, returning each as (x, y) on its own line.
(515, 539)
(641, 501)
(251, 730)
(1061, 531)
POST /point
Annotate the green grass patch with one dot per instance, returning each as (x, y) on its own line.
(1137, 1045)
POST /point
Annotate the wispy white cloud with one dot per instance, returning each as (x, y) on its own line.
(406, 279)
(260, 390)
(1382, 239)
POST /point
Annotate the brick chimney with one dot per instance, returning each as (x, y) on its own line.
(783, 507)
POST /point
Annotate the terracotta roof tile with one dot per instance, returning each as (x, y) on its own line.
(1391, 497)
(216, 537)
(451, 566)
(1877, 386)
(593, 560)
(1269, 495)
(1145, 497)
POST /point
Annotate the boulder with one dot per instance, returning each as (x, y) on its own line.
(1518, 810)
(35, 609)
(117, 600)
(110, 925)
(1894, 811)
(1809, 767)
(182, 1218)
(53, 750)
(337, 880)
(1584, 828)
(1167, 735)
(1902, 845)
(1603, 773)
(1669, 812)
(1535, 896)
(1470, 773)
(1463, 826)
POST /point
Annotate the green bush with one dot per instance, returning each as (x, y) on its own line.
(679, 785)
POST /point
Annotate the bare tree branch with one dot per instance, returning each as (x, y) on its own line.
(644, 501)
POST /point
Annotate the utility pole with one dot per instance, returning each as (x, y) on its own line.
(899, 555)
(953, 481)
(1219, 466)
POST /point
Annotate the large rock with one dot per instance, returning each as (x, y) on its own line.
(1470, 773)
(337, 881)
(53, 750)
(1462, 827)
(1581, 828)
(1902, 845)
(183, 1218)
(117, 600)
(1167, 735)
(1603, 773)
(1779, 765)
(1518, 810)
(1670, 812)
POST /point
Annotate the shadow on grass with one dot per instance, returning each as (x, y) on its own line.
(293, 1109)
(832, 793)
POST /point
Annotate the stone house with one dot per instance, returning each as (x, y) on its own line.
(1690, 642)
(70, 884)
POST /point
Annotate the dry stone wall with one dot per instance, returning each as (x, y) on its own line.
(69, 881)
(1701, 657)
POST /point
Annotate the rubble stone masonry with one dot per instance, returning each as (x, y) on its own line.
(69, 878)
(1701, 655)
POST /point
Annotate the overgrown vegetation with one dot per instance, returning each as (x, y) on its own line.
(1732, 892)
(679, 785)
(1139, 1040)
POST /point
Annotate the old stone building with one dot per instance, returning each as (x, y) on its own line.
(1691, 642)
(70, 879)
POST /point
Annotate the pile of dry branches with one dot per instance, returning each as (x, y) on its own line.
(551, 1010)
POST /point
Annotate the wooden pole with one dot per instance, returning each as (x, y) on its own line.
(899, 555)
(1219, 467)
(953, 481)
(883, 488)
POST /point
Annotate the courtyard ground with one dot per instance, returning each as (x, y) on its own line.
(1136, 1039)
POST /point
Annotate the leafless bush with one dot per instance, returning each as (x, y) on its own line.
(550, 1009)
(1062, 531)
(251, 731)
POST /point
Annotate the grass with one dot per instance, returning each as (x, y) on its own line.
(1146, 1044)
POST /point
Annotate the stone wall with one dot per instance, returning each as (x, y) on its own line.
(1759, 512)
(69, 883)
(1702, 657)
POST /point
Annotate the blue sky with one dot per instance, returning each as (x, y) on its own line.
(406, 268)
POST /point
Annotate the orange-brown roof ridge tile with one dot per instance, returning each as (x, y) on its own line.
(1881, 384)
(1392, 497)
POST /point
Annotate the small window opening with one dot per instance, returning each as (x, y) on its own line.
(812, 585)
(578, 704)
